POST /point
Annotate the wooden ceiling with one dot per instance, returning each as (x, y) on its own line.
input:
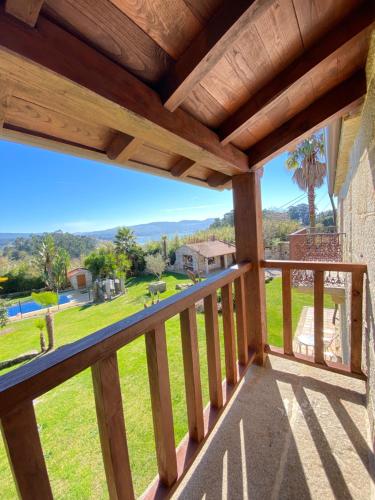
(199, 90)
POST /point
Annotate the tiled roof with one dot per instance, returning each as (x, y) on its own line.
(212, 248)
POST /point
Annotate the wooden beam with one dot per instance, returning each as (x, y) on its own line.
(6, 88)
(220, 33)
(338, 101)
(318, 317)
(249, 247)
(92, 87)
(356, 322)
(26, 11)
(123, 147)
(183, 167)
(218, 179)
(287, 312)
(354, 24)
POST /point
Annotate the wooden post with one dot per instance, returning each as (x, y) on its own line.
(111, 424)
(228, 327)
(193, 388)
(241, 321)
(287, 312)
(318, 316)
(22, 443)
(356, 322)
(158, 375)
(249, 247)
(213, 350)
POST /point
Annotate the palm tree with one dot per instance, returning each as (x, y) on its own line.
(308, 163)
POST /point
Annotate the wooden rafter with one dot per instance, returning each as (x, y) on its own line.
(223, 29)
(353, 25)
(53, 59)
(26, 11)
(123, 147)
(218, 179)
(183, 167)
(344, 97)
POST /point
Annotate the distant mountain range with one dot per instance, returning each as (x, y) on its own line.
(143, 232)
(154, 230)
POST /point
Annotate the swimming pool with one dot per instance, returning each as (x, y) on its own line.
(30, 306)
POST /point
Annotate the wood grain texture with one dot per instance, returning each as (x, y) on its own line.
(249, 247)
(203, 9)
(318, 316)
(218, 179)
(183, 167)
(110, 416)
(356, 322)
(95, 91)
(222, 30)
(110, 31)
(26, 11)
(22, 443)
(229, 336)
(287, 311)
(345, 267)
(241, 320)
(123, 147)
(158, 376)
(334, 103)
(299, 70)
(41, 119)
(213, 350)
(193, 387)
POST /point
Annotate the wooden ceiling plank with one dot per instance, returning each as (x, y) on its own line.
(353, 25)
(341, 99)
(53, 59)
(205, 51)
(26, 11)
(183, 167)
(123, 147)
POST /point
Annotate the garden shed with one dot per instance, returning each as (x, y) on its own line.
(205, 257)
(80, 278)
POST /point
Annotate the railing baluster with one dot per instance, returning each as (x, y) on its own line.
(287, 311)
(22, 442)
(241, 319)
(356, 322)
(213, 350)
(318, 316)
(157, 362)
(229, 340)
(192, 375)
(111, 424)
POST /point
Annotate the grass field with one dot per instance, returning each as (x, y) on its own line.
(66, 415)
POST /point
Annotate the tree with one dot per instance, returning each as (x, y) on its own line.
(300, 213)
(40, 324)
(60, 268)
(155, 264)
(307, 162)
(126, 243)
(47, 299)
(3, 313)
(45, 253)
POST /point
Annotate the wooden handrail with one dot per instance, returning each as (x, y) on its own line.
(345, 267)
(318, 268)
(45, 373)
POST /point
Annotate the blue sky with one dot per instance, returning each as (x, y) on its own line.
(46, 191)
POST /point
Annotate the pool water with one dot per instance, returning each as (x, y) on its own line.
(30, 306)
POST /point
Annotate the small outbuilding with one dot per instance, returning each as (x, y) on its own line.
(205, 257)
(80, 278)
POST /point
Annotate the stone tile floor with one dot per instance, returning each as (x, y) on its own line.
(291, 431)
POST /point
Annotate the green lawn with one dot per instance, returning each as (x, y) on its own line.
(66, 415)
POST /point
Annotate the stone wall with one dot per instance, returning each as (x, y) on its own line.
(357, 219)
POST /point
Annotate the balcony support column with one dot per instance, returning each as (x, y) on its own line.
(249, 247)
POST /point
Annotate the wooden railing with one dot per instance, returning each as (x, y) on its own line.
(319, 268)
(98, 351)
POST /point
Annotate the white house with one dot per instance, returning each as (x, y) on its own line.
(205, 257)
(80, 278)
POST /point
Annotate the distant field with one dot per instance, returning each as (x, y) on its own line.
(66, 415)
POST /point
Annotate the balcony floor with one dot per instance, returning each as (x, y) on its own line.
(290, 432)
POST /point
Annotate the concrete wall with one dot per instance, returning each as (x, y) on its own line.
(357, 219)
